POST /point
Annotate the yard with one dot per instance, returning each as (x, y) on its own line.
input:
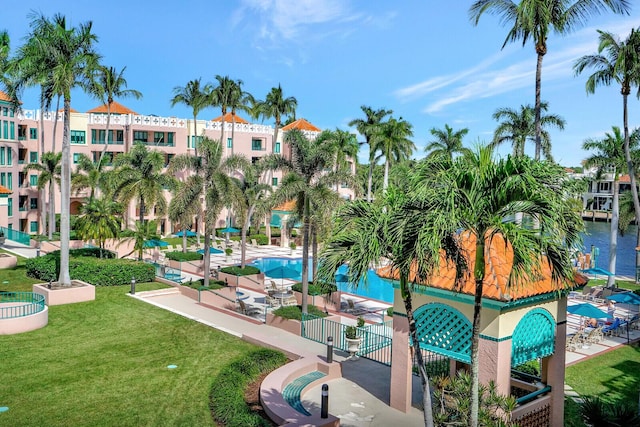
(104, 363)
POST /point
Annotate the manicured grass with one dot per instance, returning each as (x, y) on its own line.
(104, 363)
(624, 284)
(613, 376)
(16, 278)
(572, 417)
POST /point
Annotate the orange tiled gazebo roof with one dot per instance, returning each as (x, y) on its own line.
(116, 108)
(286, 206)
(496, 284)
(5, 190)
(229, 118)
(302, 124)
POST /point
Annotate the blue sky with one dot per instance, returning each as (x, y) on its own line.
(424, 60)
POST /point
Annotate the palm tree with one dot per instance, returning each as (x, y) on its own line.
(196, 96)
(305, 175)
(99, 221)
(518, 127)
(107, 84)
(609, 157)
(89, 175)
(344, 147)
(221, 96)
(210, 181)
(142, 231)
(369, 127)
(138, 175)
(617, 61)
(534, 19)
(50, 169)
(392, 139)
(446, 142)
(5, 48)
(276, 105)
(184, 205)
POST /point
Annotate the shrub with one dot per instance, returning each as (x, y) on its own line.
(226, 399)
(184, 256)
(316, 288)
(199, 284)
(228, 251)
(390, 311)
(294, 312)
(99, 272)
(237, 271)
(261, 239)
(88, 252)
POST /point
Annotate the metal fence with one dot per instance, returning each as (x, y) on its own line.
(33, 303)
(435, 364)
(376, 338)
(16, 235)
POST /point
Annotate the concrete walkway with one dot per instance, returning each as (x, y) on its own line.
(360, 398)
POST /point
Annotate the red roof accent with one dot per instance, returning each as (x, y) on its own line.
(228, 118)
(286, 206)
(4, 97)
(496, 283)
(116, 108)
(302, 124)
(71, 110)
(5, 190)
(625, 179)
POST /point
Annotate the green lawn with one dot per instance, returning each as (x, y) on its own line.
(104, 363)
(613, 376)
(624, 284)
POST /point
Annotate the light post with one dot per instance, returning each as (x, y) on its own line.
(329, 349)
(324, 403)
(133, 286)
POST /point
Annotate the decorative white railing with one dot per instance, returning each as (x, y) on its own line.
(240, 127)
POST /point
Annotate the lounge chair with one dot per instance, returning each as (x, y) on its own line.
(595, 336)
(574, 341)
(254, 243)
(354, 310)
(612, 328)
(249, 310)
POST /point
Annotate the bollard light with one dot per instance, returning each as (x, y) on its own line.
(329, 349)
(133, 286)
(324, 409)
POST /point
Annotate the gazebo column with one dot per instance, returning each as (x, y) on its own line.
(495, 363)
(553, 374)
(400, 387)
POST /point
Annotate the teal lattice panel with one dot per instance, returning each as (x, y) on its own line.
(534, 337)
(444, 330)
(293, 390)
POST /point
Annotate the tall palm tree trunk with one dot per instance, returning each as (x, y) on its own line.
(537, 106)
(141, 213)
(222, 141)
(479, 272)
(184, 240)
(314, 256)
(65, 193)
(233, 132)
(106, 133)
(195, 135)
(52, 209)
(370, 180)
(207, 253)
(424, 377)
(632, 173)
(55, 125)
(385, 184)
(613, 235)
(42, 193)
(305, 254)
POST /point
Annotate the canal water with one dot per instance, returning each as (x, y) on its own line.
(597, 234)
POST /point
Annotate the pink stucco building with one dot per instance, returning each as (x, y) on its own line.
(20, 144)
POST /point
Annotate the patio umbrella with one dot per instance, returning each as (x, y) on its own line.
(152, 243)
(587, 310)
(625, 298)
(211, 250)
(189, 233)
(342, 278)
(229, 230)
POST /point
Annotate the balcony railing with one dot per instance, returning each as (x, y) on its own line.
(101, 141)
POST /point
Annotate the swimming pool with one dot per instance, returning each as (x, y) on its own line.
(376, 287)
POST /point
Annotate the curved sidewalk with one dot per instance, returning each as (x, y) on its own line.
(360, 398)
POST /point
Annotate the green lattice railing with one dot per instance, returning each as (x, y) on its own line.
(444, 330)
(534, 337)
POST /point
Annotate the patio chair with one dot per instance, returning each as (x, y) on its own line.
(594, 295)
(612, 329)
(354, 310)
(585, 292)
(595, 336)
(574, 342)
(249, 310)
(254, 243)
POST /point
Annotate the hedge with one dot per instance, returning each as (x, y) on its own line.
(199, 284)
(294, 312)
(184, 256)
(260, 239)
(316, 289)
(237, 271)
(226, 399)
(99, 272)
(88, 252)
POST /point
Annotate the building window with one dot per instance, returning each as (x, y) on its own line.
(158, 137)
(76, 158)
(9, 156)
(256, 144)
(170, 136)
(5, 111)
(193, 141)
(229, 143)
(33, 180)
(78, 136)
(22, 203)
(3, 179)
(33, 133)
(277, 149)
(2, 156)
(33, 227)
(344, 185)
(10, 180)
(33, 203)
(10, 206)
(140, 135)
(274, 182)
(33, 157)
(5, 129)
(12, 130)
(169, 157)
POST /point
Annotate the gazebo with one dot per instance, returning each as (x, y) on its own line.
(520, 321)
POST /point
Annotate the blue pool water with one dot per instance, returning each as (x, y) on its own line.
(375, 288)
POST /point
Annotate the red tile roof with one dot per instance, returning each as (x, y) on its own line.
(625, 179)
(5, 190)
(4, 97)
(116, 108)
(496, 284)
(302, 124)
(228, 119)
(71, 110)
(286, 206)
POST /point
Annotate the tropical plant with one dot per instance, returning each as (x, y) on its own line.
(392, 139)
(49, 170)
(197, 97)
(600, 413)
(5, 48)
(368, 127)
(138, 175)
(90, 175)
(276, 106)
(518, 127)
(617, 61)
(107, 84)
(228, 95)
(209, 180)
(100, 220)
(141, 233)
(446, 142)
(608, 157)
(344, 146)
(184, 205)
(534, 19)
